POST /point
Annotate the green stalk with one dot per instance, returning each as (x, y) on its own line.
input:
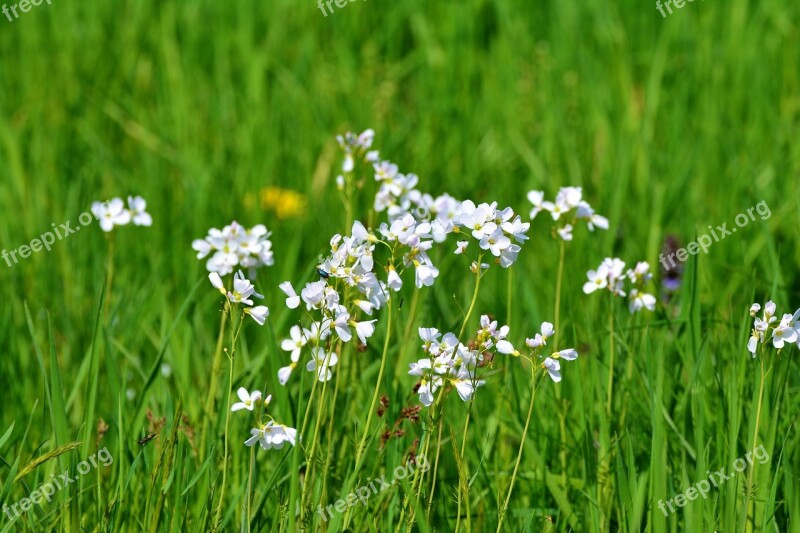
(363, 442)
(464, 480)
(215, 370)
(610, 387)
(562, 422)
(310, 461)
(231, 357)
(750, 513)
(521, 447)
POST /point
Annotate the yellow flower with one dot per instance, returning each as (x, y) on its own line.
(285, 203)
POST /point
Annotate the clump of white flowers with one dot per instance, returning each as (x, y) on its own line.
(768, 327)
(235, 247)
(449, 362)
(568, 209)
(336, 311)
(536, 347)
(495, 230)
(114, 213)
(611, 276)
(356, 147)
(269, 434)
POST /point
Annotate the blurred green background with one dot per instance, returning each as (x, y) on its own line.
(669, 124)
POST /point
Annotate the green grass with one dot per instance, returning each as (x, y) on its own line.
(669, 125)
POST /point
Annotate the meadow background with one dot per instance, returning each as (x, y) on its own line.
(669, 125)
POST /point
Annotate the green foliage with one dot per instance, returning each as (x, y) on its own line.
(669, 124)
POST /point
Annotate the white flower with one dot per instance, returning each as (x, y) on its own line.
(341, 326)
(216, 281)
(507, 348)
(640, 300)
(566, 232)
(465, 384)
(755, 338)
(313, 293)
(426, 390)
(568, 354)
(295, 343)
(540, 339)
(364, 330)
(292, 299)
(420, 367)
(553, 368)
(598, 279)
(536, 198)
(461, 247)
(754, 309)
(242, 290)
(258, 313)
(321, 362)
(517, 229)
(570, 197)
(365, 306)
(272, 435)
(394, 281)
(285, 372)
(203, 248)
(110, 214)
(496, 242)
(248, 400)
(585, 212)
(425, 275)
(137, 206)
(784, 332)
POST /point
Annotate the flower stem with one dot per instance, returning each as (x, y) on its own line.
(225, 456)
(610, 386)
(562, 422)
(557, 311)
(215, 370)
(464, 471)
(231, 356)
(474, 299)
(750, 513)
(376, 392)
(521, 447)
(320, 413)
(363, 442)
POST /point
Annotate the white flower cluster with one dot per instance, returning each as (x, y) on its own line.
(417, 214)
(270, 434)
(350, 264)
(768, 327)
(609, 275)
(114, 213)
(567, 210)
(356, 146)
(241, 294)
(450, 362)
(235, 246)
(415, 239)
(495, 230)
(536, 347)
